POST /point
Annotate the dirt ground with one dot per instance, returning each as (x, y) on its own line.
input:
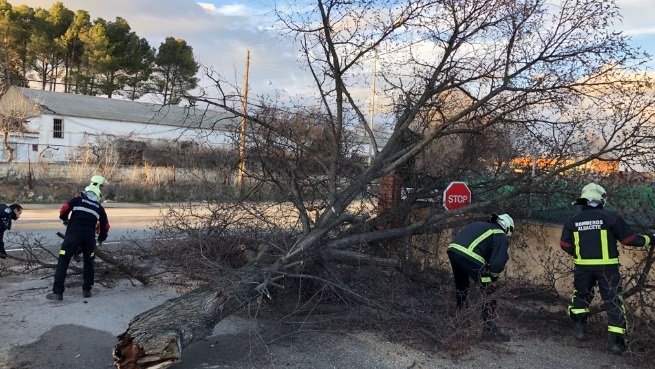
(80, 333)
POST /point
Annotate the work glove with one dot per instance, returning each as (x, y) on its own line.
(66, 222)
(652, 239)
(487, 273)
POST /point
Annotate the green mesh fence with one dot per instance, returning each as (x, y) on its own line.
(552, 203)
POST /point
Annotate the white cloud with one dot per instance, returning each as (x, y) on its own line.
(640, 31)
(637, 15)
(229, 10)
(210, 8)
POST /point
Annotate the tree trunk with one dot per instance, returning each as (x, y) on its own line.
(155, 338)
(356, 258)
(8, 149)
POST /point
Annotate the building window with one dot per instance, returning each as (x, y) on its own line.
(35, 147)
(58, 128)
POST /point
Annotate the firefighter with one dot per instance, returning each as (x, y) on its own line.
(80, 214)
(8, 213)
(97, 182)
(590, 237)
(480, 252)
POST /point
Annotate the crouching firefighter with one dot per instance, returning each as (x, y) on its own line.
(480, 252)
(591, 237)
(81, 213)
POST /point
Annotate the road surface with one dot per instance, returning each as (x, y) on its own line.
(40, 223)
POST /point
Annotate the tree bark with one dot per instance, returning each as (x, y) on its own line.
(155, 338)
(357, 258)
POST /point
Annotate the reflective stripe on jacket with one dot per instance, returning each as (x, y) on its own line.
(484, 242)
(591, 236)
(85, 214)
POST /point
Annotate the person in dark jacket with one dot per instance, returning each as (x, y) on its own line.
(591, 237)
(480, 252)
(96, 184)
(80, 214)
(8, 213)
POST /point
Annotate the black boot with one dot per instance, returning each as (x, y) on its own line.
(55, 296)
(580, 327)
(616, 343)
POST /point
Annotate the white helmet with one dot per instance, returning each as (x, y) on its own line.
(594, 194)
(506, 223)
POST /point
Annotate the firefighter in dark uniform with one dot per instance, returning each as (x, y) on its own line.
(81, 214)
(96, 184)
(480, 252)
(8, 213)
(591, 237)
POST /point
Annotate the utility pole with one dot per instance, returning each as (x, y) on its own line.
(371, 138)
(242, 144)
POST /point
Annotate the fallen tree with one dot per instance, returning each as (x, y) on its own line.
(502, 80)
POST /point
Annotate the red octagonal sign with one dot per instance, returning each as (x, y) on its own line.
(456, 195)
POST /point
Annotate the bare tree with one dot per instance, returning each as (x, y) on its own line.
(14, 113)
(523, 78)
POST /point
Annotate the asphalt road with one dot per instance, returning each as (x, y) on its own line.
(40, 223)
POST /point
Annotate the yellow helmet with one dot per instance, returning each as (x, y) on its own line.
(98, 181)
(94, 190)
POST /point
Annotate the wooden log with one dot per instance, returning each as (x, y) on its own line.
(155, 338)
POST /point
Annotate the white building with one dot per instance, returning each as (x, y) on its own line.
(59, 124)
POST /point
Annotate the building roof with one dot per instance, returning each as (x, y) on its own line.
(84, 106)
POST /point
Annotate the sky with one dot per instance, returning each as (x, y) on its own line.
(221, 32)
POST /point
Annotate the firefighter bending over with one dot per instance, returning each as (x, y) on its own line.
(480, 252)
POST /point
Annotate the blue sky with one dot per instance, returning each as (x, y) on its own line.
(221, 32)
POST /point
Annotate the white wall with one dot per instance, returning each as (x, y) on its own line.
(81, 131)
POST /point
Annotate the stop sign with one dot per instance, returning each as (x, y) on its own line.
(456, 195)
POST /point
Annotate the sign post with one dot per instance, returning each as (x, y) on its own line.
(456, 195)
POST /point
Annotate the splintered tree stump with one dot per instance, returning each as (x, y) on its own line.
(155, 338)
